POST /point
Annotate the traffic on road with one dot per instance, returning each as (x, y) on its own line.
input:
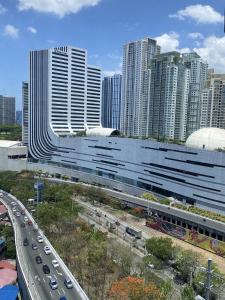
(42, 267)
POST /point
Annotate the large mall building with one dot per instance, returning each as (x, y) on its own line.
(65, 97)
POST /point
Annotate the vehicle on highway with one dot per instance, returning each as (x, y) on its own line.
(53, 284)
(22, 225)
(14, 209)
(47, 250)
(25, 219)
(38, 259)
(46, 269)
(98, 214)
(63, 298)
(29, 223)
(117, 223)
(34, 246)
(1, 194)
(18, 214)
(68, 283)
(25, 242)
(13, 203)
(55, 263)
(40, 239)
(136, 233)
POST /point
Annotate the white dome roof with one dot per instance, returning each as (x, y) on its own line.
(100, 131)
(207, 138)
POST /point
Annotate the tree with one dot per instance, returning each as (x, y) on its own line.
(134, 288)
(123, 257)
(161, 248)
(186, 263)
(188, 293)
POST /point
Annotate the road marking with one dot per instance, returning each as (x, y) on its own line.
(51, 294)
(59, 272)
(44, 279)
(58, 292)
(55, 277)
(63, 291)
(49, 276)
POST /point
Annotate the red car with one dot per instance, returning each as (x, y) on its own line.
(29, 223)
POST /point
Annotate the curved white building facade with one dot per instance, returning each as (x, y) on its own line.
(193, 175)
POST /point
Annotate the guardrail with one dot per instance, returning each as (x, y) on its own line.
(80, 293)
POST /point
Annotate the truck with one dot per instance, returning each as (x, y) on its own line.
(134, 232)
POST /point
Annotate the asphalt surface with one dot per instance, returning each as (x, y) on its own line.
(34, 271)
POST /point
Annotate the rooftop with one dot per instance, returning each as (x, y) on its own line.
(9, 144)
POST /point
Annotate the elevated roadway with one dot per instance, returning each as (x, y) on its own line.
(36, 281)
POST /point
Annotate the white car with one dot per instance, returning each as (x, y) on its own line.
(47, 250)
(13, 203)
(25, 219)
(14, 209)
(40, 239)
(55, 263)
(18, 214)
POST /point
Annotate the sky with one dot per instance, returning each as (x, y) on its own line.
(103, 27)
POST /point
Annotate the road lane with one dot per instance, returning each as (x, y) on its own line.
(34, 271)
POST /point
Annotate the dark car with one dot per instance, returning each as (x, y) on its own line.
(25, 242)
(22, 225)
(38, 259)
(53, 284)
(22, 212)
(63, 298)
(34, 246)
(46, 269)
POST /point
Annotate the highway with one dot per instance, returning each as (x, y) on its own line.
(37, 281)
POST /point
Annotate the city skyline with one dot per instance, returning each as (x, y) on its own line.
(28, 27)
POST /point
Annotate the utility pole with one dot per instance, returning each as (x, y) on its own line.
(208, 280)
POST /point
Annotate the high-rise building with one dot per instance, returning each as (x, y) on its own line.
(136, 61)
(111, 101)
(7, 110)
(198, 77)
(25, 113)
(19, 117)
(168, 96)
(72, 89)
(213, 102)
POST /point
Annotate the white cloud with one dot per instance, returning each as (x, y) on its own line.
(32, 29)
(213, 50)
(57, 7)
(3, 10)
(168, 42)
(195, 35)
(11, 31)
(199, 13)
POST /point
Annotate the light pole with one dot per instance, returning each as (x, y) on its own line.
(208, 280)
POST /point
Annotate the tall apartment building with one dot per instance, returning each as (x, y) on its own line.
(25, 114)
(198, 77)
(111, 101)
(168, 96)
(71, 88)
(136, 62)
(213, 102)
(7, 110)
